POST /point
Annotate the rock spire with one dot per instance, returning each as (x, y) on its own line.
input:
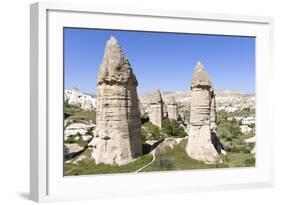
(156, 109)
(172, 108)
(199, 144)
(117, 137)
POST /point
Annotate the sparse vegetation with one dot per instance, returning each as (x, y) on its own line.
(150, 131)
(75, 113)
(172, 128)
(229, 133)
(238, 113)
(228, 129)
(89, 167)
(175, 159)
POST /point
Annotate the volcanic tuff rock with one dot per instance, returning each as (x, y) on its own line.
(245, 129)
(156, 109)
(78, 129)
(199, 144)
(172, 109)
(85, 101)
(118, 131)
(226, 100)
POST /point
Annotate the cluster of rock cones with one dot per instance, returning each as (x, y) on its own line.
(117, 137)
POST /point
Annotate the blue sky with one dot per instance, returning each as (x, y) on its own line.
(162, 61)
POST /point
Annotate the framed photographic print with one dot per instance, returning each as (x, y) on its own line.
(128, 102)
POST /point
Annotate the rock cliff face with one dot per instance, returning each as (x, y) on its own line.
(156, 109)
(117, 137)
(199, 144)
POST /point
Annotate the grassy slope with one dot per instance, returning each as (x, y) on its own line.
(170, 159)
(77, 113)
(175, 159)
(89, 167)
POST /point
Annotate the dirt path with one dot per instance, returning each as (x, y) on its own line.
(153, 159)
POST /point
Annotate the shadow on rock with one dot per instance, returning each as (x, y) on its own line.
(217, 144)
(147, 148)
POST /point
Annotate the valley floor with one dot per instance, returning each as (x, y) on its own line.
(169, 155)
(165, 160)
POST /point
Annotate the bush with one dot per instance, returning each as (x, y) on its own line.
(250, 162)
(172, 129)
(150, 131)
(228, 129)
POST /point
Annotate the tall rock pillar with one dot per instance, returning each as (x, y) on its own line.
(156, 109)
(199, 144)
(118, 132)
(172, 109)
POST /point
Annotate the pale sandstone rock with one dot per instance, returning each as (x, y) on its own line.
(199, 144)
(249, 120)
(76, 126)
(68, 133)
(75, 97)
(245, 129)
(117, 137)
(73, 147)
(231, 109)
(78, 129)
(172, 108)
(86, 137)
(156, 109)
(224, 99)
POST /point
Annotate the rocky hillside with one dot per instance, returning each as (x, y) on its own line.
(82, 100)
(226, 100)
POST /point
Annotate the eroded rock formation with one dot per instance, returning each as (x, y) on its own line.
(172, 109)
(156, 109)
(199, 144)
(117, 137)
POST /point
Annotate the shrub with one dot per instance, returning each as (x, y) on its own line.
(228, 129)
(150, 132)
(172, 129)
(250, 162)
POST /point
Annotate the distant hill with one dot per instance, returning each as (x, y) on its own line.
(227, 100)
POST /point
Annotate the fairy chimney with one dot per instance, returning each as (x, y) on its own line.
(199, 144)
(117, 137)
(156, 109)
(172, 108)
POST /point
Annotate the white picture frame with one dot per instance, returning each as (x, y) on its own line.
(46, 160)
